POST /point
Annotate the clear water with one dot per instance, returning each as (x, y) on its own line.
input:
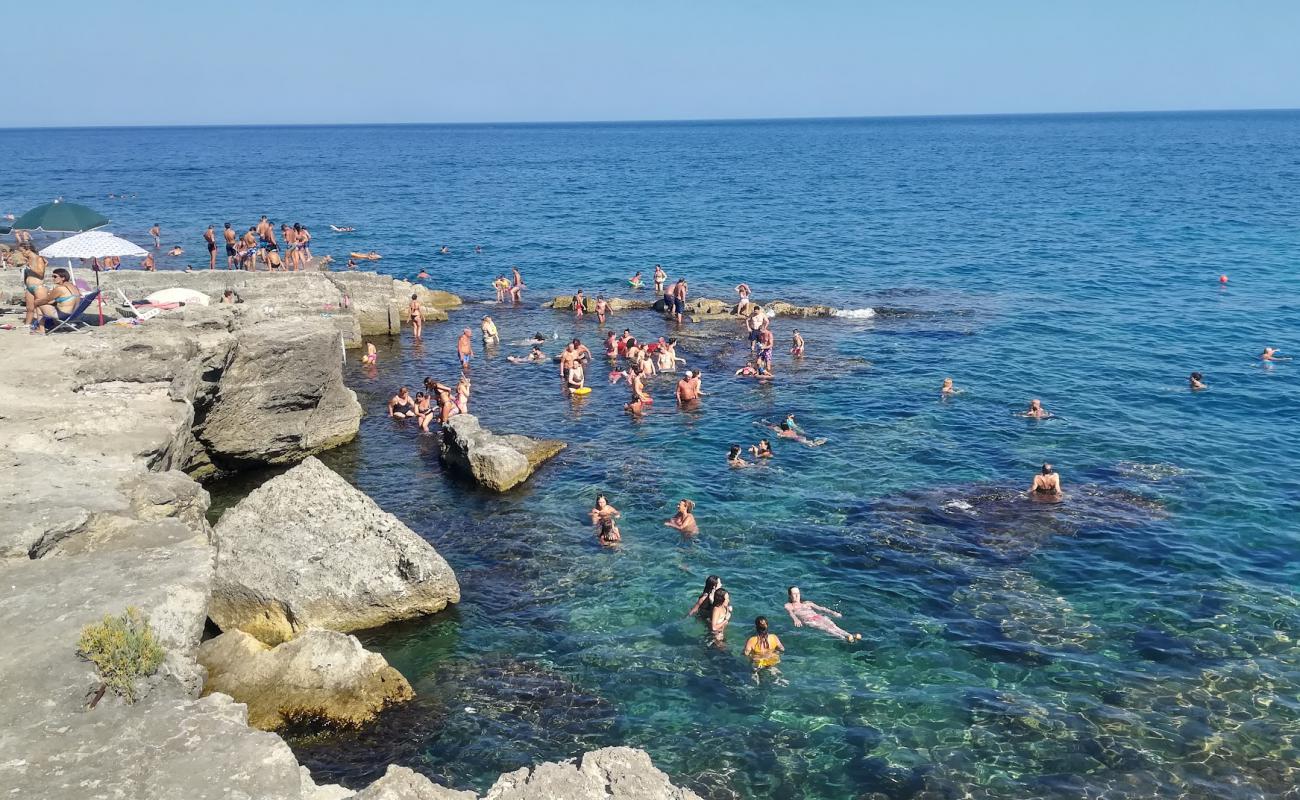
(1138, 640)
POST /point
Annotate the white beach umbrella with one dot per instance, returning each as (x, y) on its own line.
(93, 244)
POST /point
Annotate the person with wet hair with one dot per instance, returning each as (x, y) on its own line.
(711, 584)
(734, 458)
(805, 612)
(719, 613)
(608, 532)
(1047, 483)
(1036, 410)
(684, 519)
(1196, 381)
(764, 648)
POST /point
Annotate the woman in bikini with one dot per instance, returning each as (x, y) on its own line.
(720, 613)
(805, 612)
(57, 303)
(33, 282)
(417, 317)
(462, 395)
(764, 649)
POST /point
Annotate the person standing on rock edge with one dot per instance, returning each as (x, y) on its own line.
(210, 239)
(679, 299)
(464, 350)
(229, 235)
(517, 288)
(417, 318)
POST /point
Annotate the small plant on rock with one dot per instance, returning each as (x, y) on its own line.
(124, 649)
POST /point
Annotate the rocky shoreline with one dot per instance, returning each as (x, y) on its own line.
(104, 436)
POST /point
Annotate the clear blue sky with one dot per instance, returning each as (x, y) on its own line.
(91, 63)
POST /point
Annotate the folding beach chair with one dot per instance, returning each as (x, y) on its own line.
(128, 309)
(73, 320)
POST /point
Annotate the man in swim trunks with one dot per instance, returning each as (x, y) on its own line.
(679, 299)
(210, 239)
(688, 391)
(517, 288)
(766, 341)
(796, 345)
(464, 349)
(156, 233)
(228, 233)
(575, 378)
(1047, 483)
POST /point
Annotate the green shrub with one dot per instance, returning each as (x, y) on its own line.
(124, 649)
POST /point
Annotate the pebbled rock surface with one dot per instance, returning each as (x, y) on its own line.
(306, 549)
(495, 461)
(320, 676)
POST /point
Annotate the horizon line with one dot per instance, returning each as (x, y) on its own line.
(650, 121)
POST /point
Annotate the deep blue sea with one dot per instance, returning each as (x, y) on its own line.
(1139, 639)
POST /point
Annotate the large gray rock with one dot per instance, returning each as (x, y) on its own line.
(402, 783)
(155, 750)
(321, 676)
(282, 397)
(612, 773)
(497, 462)
(306, 549)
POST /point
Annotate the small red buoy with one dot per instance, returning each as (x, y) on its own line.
(1223, 279)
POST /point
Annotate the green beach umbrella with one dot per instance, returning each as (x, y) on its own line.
(58, 217)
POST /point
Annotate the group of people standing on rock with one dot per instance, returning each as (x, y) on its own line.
(259, 243)
(510, 290)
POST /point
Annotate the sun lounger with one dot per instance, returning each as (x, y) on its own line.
(130, 311)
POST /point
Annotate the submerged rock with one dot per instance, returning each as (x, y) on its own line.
(321, 676)
(306, 549)
(498, 462)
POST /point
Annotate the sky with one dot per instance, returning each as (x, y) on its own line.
(130, 62)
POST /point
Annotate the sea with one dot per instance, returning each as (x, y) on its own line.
(1141, 638)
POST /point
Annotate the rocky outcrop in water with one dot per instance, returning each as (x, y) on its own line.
(306, 549)
(497, 462)
(321, 676)
(703, 308)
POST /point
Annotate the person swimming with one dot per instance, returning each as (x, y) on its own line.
(786, 430)
(536, 356)
(711, 584)
(1196, 381)
(1271, 354)
(764, 648)
(762, 450)
(684, 519)
(948, 390)
(805, 612)
(734, 458)
(1047, 483)
(635, 281)
(607, 532)
(1036, 410)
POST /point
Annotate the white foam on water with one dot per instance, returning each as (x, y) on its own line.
(856, 313)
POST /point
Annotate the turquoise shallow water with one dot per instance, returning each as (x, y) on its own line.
(1138, 640)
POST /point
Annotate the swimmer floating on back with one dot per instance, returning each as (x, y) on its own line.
(805, 612)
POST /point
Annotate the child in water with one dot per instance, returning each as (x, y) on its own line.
(371, 357)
